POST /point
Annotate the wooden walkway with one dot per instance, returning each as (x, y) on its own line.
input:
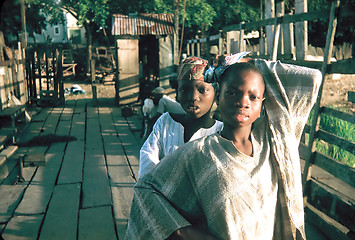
(85, 188)
(82, 189)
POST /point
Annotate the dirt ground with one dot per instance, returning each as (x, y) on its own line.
(335, 90)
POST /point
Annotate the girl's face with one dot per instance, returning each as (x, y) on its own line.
(196, 97)
(240, 98)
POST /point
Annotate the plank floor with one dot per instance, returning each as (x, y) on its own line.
(85, 188)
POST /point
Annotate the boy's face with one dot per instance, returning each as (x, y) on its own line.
(196, 97)
(240, 98)
(156, 98)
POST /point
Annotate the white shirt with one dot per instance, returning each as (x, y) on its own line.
(167, 135)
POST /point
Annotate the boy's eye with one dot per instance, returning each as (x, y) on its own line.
(202, 90)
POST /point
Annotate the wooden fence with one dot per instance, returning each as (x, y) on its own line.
(328, 184)
(44, 68)
(12, 75)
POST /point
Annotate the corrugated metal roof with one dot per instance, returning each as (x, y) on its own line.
(143, 24)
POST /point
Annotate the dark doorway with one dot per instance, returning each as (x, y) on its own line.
(149, 65)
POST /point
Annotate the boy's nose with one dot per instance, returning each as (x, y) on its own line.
(194, 96)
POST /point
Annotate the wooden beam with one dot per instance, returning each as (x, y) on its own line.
(301, 33)
(316, 118)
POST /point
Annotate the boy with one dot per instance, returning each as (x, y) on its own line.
(244, 183)
(174, 129)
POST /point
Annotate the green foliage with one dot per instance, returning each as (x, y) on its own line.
(317, 30)
(339, 128)
(10, 23)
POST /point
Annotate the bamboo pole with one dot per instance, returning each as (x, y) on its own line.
(316, 110)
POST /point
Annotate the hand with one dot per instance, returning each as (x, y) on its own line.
(246, 59)
(188, 233)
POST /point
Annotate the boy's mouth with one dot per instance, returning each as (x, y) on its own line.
(192, 108)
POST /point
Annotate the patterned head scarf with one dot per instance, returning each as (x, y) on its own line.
(213, 74)
(192, 68)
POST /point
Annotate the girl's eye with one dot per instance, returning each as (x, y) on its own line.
(255, 98)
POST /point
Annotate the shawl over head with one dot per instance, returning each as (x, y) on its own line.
(192, 68)
(213, 74)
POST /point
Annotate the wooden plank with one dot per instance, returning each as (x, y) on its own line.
(10, 197)
(96, 223)
(122, 201)
(336, 168)
(300, 17)
(23, 227)
(72, 167)
(61, 219)
(329, 227)
(41, 115)
(35, 156)
(345, 66)
(52, 121)
(349, 117)
(338, 141)
(127, 140)
(78, 123)
(38, 193)
(67, 113)
(96, 191)
(32, 130)
(6, 167)
(8, 152)
(339, 208)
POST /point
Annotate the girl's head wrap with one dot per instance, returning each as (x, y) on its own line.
(192, 68)
(213, 74)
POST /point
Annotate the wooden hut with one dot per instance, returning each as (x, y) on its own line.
(144, 50)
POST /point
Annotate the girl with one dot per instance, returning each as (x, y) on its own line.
(242, 183)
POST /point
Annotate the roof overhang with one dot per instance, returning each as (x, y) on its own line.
(143, 24)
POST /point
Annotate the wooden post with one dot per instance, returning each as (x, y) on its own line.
(193, 48)
(198, 46)
(188, 48)
(60, 78)
(39, 69)
(288, 39)
(93, 82)
(21, 74)
(301, 33)
(276, 39)
(56, 75)
(176, 34)
(280, 11)
(220, 43)
(316, 109)
(269, 13)
(47, 68)
(241, 38)
(23, 23)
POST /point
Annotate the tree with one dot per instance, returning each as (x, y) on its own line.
(10, 23)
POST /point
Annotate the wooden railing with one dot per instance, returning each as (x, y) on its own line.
(334, 198)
